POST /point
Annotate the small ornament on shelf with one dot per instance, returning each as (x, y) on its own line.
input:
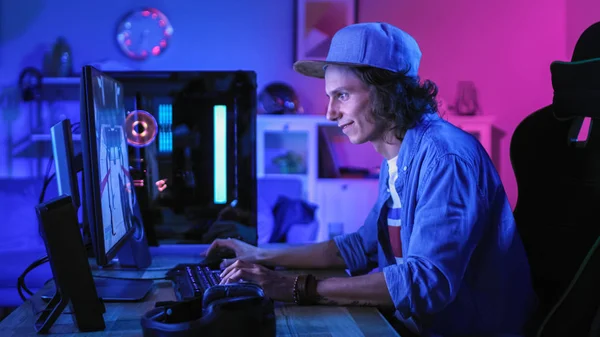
(466, 103)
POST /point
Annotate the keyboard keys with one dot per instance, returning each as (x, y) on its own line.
(192, 280)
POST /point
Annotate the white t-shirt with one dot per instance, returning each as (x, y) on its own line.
(393, 218)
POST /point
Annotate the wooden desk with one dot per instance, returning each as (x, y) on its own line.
(123, 319)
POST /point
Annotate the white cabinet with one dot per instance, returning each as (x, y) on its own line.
(346, 201)
(482, 127)
(287, 148)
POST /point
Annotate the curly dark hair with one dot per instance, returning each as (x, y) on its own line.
(399, 101)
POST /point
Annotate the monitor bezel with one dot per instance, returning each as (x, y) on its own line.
(63, 149)
(91, 179)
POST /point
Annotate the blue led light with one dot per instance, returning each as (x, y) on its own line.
(220, 154)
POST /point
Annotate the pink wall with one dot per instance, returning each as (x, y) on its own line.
(505, 47)
(580, 15)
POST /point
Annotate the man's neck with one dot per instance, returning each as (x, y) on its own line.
(388, 147)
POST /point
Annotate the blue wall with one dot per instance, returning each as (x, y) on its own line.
(208, 35)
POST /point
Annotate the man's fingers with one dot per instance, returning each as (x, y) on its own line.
(240, 274)
(225, 276)
(227, 262)
(233, 264)
(233, 276)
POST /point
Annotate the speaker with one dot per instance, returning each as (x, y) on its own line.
(70, 269)
(30, 84)
(135, 252)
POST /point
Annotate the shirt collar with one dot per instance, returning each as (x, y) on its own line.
(408, 149)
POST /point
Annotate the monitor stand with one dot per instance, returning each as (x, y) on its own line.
(112, 289)
(115, 290)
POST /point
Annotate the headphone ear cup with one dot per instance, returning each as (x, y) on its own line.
(179, 319)
(155, 324)
(30, 84)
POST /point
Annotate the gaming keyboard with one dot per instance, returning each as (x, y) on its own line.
(191, 280)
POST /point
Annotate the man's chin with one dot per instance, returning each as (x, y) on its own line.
(357, 140)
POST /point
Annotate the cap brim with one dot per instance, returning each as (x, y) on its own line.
(317, 68)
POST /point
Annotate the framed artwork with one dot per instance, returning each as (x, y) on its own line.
(317, 21)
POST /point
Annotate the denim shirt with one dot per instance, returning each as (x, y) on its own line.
(464, 269)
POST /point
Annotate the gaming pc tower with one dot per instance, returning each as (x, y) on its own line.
(195, 132)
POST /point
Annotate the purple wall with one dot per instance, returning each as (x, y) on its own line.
(504, 47)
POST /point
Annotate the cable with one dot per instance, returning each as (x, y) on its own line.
(47, 179)
(586, 260)
(21, 286)
(75, 127)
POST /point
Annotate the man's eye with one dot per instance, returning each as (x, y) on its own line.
(343, 96)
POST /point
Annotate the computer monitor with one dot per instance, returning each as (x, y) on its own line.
(66, 165)
(109, 198)
(111, 206)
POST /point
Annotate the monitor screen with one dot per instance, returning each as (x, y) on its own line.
(110, 197)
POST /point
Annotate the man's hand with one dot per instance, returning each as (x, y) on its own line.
(276, 285)
(242, 250)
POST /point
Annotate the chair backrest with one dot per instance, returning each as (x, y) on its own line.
(558, 208)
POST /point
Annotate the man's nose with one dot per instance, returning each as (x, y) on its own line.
(332, 112)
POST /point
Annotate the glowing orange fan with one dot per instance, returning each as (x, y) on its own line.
(141, 128)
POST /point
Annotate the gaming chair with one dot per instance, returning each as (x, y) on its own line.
(558, 207)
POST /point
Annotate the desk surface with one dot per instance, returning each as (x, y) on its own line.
(123, 319)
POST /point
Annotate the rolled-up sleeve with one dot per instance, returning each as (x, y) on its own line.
(359, 249)
(447, 227)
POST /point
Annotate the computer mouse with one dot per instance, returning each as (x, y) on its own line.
(214, 259)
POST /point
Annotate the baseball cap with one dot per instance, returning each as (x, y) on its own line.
(372, 44)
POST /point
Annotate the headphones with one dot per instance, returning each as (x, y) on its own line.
(30, 84)
(238, 310)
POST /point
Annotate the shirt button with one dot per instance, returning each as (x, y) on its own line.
(405, 168)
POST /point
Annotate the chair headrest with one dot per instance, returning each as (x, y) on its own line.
(576, 88)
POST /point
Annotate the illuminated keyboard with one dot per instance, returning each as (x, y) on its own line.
(191, 280)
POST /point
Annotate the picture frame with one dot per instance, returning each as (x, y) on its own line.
(315, 23)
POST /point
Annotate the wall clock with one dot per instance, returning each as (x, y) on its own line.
(144, 33)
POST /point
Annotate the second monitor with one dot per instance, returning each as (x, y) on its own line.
(109, 196)
(110, 210)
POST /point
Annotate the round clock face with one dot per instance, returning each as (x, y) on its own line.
(144, 33)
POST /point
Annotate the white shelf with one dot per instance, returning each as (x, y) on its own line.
(61, 81)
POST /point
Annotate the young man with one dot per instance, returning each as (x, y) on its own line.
(442, 233)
